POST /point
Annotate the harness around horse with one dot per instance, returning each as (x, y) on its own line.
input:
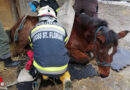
(104, 63)
(19, 28)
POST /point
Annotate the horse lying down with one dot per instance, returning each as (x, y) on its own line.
(90, 38)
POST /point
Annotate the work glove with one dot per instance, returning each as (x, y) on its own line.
(32, 6)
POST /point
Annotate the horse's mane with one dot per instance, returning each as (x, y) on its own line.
(111, 37)
(87, 21)
(15, 26)
(92, 21)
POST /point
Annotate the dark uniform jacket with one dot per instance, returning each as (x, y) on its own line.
(48, 42)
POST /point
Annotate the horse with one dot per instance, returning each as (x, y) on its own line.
(89, 35)
(92, 38)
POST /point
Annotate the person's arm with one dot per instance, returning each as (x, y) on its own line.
(34, 4)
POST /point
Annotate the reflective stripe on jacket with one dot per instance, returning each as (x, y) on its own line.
(50, 70)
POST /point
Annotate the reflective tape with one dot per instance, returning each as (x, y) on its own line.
(48, 29)
(66, 39)
(48, 26)
(30, 41)
(57, 9)
(50, 70)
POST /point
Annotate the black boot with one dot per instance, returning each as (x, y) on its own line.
(9, 63)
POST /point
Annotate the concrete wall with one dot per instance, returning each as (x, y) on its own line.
(12, 10)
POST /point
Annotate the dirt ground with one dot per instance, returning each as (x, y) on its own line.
(119, 19)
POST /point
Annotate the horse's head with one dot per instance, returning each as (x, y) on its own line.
(104, 41)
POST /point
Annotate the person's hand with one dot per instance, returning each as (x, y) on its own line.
(32, 6)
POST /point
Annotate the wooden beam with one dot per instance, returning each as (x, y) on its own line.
(14, 10)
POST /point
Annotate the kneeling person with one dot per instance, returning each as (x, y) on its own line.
(47, 40)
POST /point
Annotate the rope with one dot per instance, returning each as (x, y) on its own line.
(19, 28)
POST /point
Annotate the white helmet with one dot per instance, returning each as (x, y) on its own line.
(46, 11)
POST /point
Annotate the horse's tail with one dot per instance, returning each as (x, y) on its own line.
(11, 32)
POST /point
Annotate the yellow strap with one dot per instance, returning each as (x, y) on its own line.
(29, 38)
(31, 45)
(48, 26)
(57, 9)
(30, 41)
(49, 68)
(66, 39)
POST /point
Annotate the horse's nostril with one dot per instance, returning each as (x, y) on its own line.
(103, 76)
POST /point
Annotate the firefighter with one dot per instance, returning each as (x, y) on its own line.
(48, 40)
(50, 57)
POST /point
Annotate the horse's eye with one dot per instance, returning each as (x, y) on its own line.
(110, 51)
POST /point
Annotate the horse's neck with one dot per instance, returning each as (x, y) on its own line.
(17, 24)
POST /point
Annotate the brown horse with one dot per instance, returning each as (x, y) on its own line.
(89, 35)
(92, 36)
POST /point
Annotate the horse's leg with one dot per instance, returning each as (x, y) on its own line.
(79, 56)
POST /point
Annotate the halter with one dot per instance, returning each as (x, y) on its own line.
(97, 59)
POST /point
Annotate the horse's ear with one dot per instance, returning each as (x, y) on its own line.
(101, 38)
(122, 34)
(84, 19)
